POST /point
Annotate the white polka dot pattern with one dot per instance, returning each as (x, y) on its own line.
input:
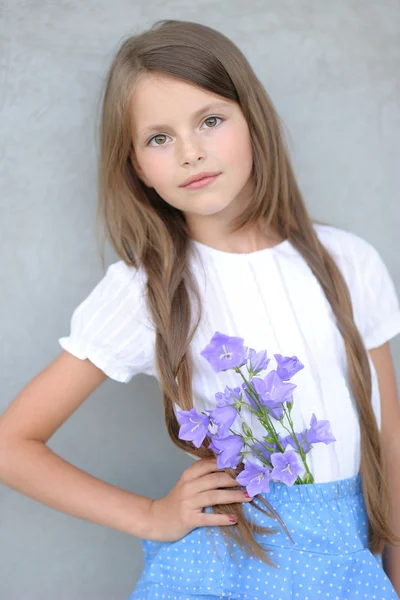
(328, 559)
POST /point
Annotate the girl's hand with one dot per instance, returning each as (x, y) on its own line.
(180, 511)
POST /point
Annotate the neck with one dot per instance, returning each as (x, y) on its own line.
(242, 241)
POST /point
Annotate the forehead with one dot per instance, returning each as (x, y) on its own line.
(166, 99)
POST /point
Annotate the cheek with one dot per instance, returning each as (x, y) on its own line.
(156, 167)
(235, 149)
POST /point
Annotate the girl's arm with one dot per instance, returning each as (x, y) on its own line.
(390, 411)
(28, 466)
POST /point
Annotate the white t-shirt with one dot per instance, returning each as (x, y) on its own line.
(272, 300)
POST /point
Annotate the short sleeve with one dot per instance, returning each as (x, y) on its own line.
(377, 304)
(374, 297)
(111, 326)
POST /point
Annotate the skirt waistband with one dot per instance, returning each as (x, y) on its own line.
(313, 492)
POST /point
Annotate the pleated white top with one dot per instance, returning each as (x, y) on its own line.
(272, 300)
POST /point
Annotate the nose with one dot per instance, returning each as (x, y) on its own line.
(191, 151)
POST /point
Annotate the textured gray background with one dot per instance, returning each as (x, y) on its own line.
(332, 69)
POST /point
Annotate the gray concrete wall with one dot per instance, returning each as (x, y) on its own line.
(332, 69)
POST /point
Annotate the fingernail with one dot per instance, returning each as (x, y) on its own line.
(233, 519)
(246, 494)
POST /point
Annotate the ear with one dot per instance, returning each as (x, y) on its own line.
(138, 169)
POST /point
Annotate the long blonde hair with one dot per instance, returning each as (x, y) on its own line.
(145, 230)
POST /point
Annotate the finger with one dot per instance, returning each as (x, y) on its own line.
(213, 481)
(213, 497)
(215, 520)
(199, 468)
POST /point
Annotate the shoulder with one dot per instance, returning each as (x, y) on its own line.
(133, 278)
(345, 245)
(120, 294)
(112, 327)
(356, 258)
(120, 285)
(372, 290)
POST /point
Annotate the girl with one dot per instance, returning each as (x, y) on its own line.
(201, 204)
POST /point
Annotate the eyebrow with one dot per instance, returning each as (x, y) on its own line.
(198, 113)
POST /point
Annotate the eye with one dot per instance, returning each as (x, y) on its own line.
(157, 138)
(212, 119)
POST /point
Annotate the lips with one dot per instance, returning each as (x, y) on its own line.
(199, 177)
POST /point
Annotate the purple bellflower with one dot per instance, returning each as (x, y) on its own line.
(319, 432)
(258, 360)
(225, 352)
(227, 450)
(255, 478)
(223, 417)
(288, 366)
(211, 444)
(273, 456)
(228, 396)
(286, 468)
(273, 392)
(225, 413)
(302, 439)
(194, 426)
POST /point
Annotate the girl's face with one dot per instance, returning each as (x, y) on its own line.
(179, 130)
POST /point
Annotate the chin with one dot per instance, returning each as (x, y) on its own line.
(208, 207)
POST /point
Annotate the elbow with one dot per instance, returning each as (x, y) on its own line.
(12, 453)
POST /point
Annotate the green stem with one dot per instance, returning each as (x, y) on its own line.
(294, 437)
(266, 420)
(261, 456)
(249, 390)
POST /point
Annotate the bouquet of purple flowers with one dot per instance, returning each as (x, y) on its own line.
(277, 455)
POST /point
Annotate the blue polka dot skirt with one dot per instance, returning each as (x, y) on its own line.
(328, 557)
